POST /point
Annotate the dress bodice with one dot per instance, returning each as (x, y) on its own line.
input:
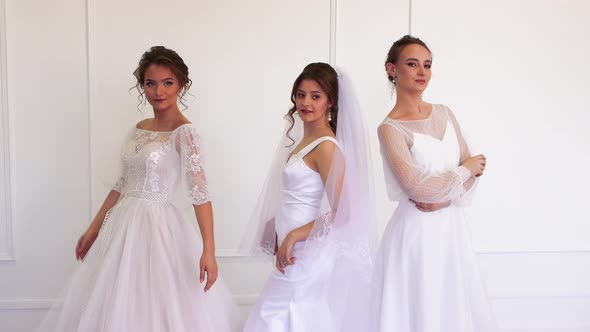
(434, 155)
(422, 158)
(301, 193)
(157, 164)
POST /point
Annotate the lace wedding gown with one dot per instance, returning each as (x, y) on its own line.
(142, 272)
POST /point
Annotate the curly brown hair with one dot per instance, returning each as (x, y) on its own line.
(160, 55)
(327, 79)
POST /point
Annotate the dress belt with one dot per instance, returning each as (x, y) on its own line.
(148, 196)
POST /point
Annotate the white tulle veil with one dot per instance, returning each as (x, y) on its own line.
(344, 233)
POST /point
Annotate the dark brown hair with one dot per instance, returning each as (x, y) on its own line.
(160, 55)
(397, 48)
(327, 79)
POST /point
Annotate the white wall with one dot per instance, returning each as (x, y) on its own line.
(48, 134)
(514, 73)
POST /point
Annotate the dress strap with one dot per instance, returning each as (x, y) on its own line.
(307, 149)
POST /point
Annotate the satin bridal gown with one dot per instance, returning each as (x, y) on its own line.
(287, 302)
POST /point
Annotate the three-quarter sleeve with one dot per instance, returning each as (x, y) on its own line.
(192, 171)
(120, 184)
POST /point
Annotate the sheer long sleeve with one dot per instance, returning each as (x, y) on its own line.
(415, 181)
(192, 171)
(469, 185)
(465, 153)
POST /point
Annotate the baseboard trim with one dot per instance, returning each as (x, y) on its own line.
(44, 304)
(26, 304)
(230, 253)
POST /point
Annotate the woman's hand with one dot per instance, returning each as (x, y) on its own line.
(85, 242)
(283, 257)
(209, 271)
(430, 207)
(476, 165)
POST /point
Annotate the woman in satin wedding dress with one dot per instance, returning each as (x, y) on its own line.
(316, 214)
(140, 267)
(426, 278)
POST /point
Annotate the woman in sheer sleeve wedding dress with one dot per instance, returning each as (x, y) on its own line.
(426, 278)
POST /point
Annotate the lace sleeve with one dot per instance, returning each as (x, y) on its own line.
(120, 185)
(414, 181)
(192, 172)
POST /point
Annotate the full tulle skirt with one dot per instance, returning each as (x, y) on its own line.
(142, 274)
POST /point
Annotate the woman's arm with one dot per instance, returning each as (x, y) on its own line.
(329, 163)
(208, 263)
(416, 183)
(88, 238)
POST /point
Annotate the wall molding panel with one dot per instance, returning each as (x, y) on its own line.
(91, 93)
(6, 229)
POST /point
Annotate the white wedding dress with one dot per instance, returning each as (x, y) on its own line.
(142, 272)
(426, 278)
(287, 302)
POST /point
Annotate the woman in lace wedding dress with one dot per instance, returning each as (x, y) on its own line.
(426, 278)
(140, 269)
(315, 213)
